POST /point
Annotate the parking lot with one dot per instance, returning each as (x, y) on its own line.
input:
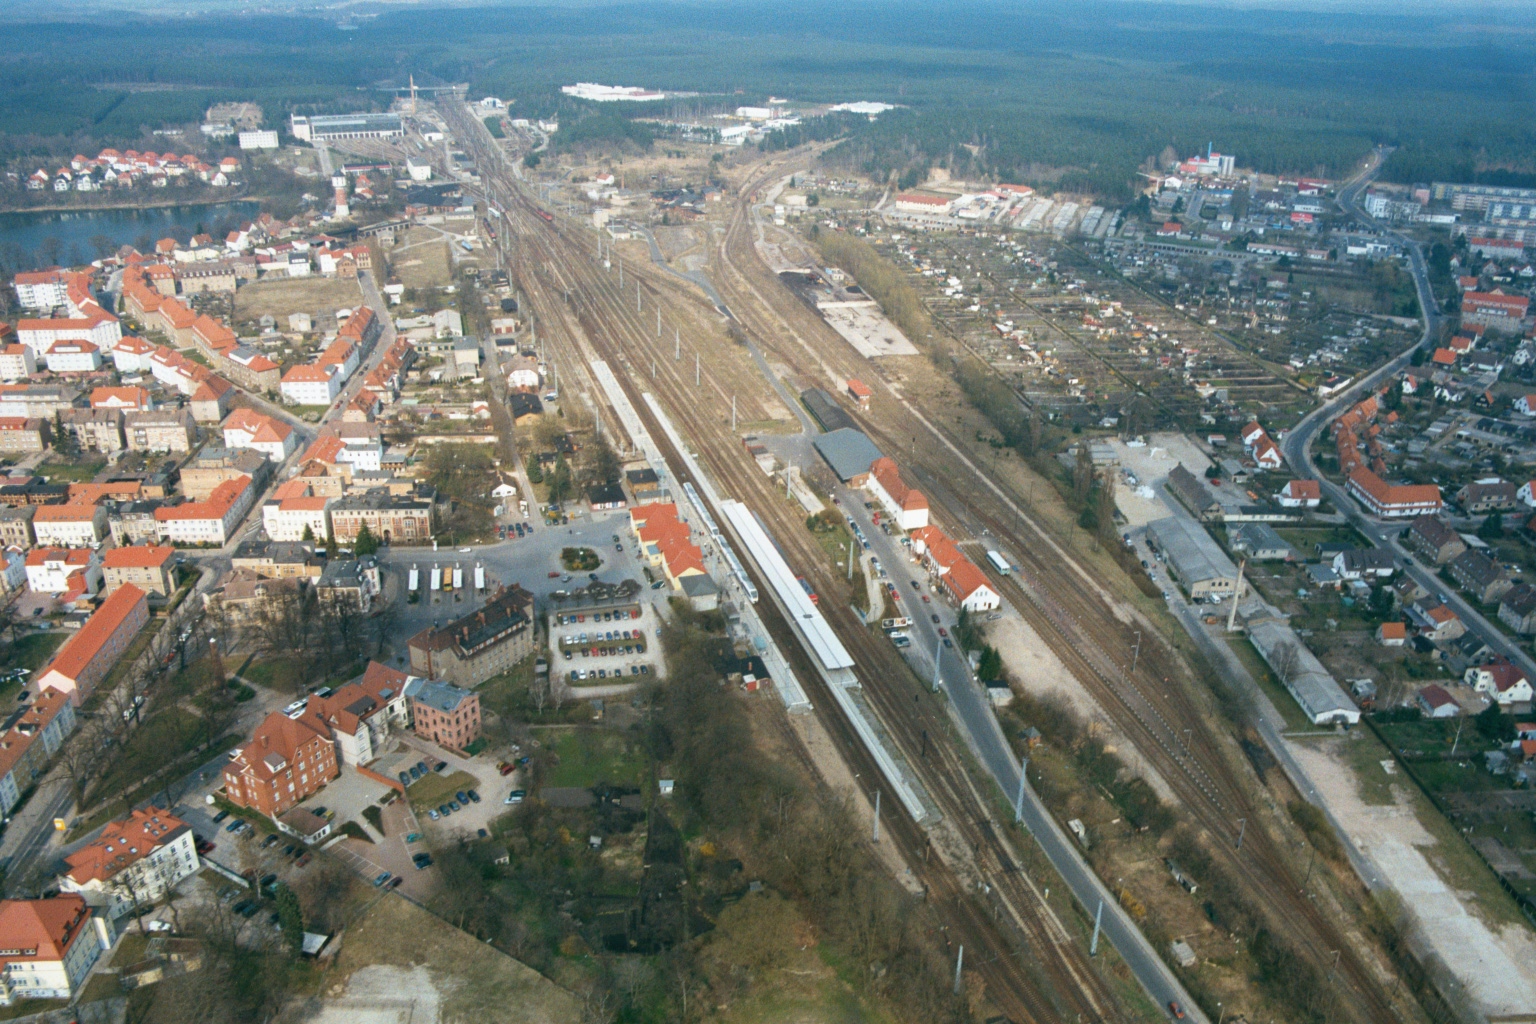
(606, 645)
(527, 562)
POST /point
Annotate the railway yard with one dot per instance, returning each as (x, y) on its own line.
(729, 362)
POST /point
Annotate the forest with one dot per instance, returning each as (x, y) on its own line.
(1075, 97)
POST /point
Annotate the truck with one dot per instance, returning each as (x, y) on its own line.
(999, 563)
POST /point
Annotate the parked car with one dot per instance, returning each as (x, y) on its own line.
(516, 796)
(474, 797)
(381, 878)
(220, 817)
(433, 815)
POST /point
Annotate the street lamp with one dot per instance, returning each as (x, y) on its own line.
(1136, 652)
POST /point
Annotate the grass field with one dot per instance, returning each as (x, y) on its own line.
(1295, 718)
(76, 471)
(438, 788)
(280, 298)
(589, 756)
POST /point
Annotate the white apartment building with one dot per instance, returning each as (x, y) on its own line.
(16, 363)
(43, 289)
(310, 385)
(47, 947)
(73, 357)
(135, 861)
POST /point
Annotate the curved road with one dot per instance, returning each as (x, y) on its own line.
(1298, 443)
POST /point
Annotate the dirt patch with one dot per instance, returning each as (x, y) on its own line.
(280, 298)
(402, 964)
(674, 242)
(1496, 963)
(420, 259)
(1030, 660)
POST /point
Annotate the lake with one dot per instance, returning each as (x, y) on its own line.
(75, 228)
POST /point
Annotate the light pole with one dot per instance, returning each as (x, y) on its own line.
(1136, 652)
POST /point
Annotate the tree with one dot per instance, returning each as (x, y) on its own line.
(990, 666)
(365, 543)
(290, 918)
(560, 485)
(1492, 527)
(1492, 723)
(601, 464)
(309, 534)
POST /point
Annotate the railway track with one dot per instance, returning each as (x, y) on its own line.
(1072, 615)
(603, 324)
(1077, 619)
(699, 414)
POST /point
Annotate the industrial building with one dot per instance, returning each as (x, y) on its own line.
(850, 454)
(1194, 559)
(1298, 669)
(345, 126)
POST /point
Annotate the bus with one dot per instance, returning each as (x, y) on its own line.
(999, 563)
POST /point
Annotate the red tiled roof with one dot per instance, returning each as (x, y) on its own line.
(138, 557)
(41, 929)
(80, 649)
(123, 843)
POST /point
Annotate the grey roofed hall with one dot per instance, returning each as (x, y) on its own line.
(848, 452)
(1298, 669)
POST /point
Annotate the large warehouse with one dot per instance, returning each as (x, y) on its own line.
(346, 126)
(1195, 560)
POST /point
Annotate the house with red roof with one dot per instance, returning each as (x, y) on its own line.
(247, 428)
(135, 861)
(360, 715)
(1500, 681)
(966, 584)
(76, 524)
(1300, 494)
(906, 506)
(859, 392)
(71, 573)
(150, 567)
(665, 541)
(1393, 501)
(126, 398)
(286, 761)
(211, 521)
(294, 509)
(87, 657)
(1436, 702)
(48, 947)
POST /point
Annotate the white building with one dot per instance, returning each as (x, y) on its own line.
(294, 508)
(43, 289)
(61, 570)
(131, 355)
(47, 947)
(135, 861)
(266, 139)
(72, 525)
(245, 428)
(906, 506)
(16, 363)
(310, 385)
(74, 357)
(211, 521)
(419, 170)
